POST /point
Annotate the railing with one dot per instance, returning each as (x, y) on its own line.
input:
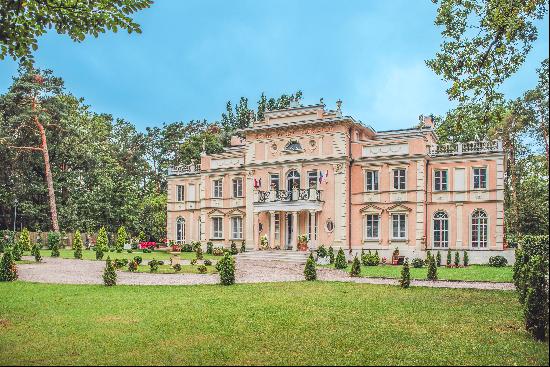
(483, 146)
(185, 169)
(288, 195)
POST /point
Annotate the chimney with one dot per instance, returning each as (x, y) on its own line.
(427, 121)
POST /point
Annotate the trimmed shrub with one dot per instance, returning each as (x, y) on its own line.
(208, 262)
(465, 258)
(536, 301)
(432, 269)
(138, 259)
(120, 263)
(176, 267)
(405, 280)
(370, 259)
(109, 274)
(310, 270)
(8, 269)
(133, 266)
(340, 262)
(234, 250)
(322, 251)
(193, 261)
(102, 244)
(243, 247)
(331, 254)
(36, 252)
(218, 251)
(161, 262)
(121, 238)
(209, 247)
(17, 250)
(54, 240)
(195, 245)
(186, 248)
(498, 261)
(457, 259)
(529, 247)
(153, 266)
(416, 263)
(129, 251)
(202, 269)
(226, 269)
(438, 258)
(77, 245)
(355, 267)
(449, 258)
(25, 240)
(198, 253)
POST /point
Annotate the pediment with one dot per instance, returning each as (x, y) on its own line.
(216, 213)
(368, 209)
(399, 208)
(236, 212)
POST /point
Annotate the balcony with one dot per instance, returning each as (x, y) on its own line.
(287, 200)
(184, 170)
(471, 147)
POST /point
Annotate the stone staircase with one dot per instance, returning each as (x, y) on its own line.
(296, 257)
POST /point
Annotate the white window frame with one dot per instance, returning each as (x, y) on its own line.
(277, 226)
(180, 193)
(180, 221)
(272, 179)
(366, 236)
(313, 175)
(310, 217)
(483, 242)
(443, 243)
(441, 183)
(405, 237)
(237, 232)
(215, 193)
(399, 178)
(484, 168)
(217, 233)
(375, 180)
(237, 184)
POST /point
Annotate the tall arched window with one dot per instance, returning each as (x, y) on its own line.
(441, 230)
(292, 180)
(480, 229)
(180, 230)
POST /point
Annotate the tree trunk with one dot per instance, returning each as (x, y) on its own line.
(47, 168)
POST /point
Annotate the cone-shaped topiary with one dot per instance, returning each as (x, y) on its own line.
(438, 258)
(340, 262)
(226, 269)
(234, 250)
(109, 274)
(121, 239)
(331, 254)
(132, 266)
(465, 258)
(355, 267)
(25, 240)
(310, 271)
(199, 254)
(449, 258)
(77, 245)
(102, 244)
(210, 247)
(405, 280)
(243, 247)
(457, 259)
(535, 309)
(8, 269)
(17, 250)
(36, 252)
(432, 269)
(53, 243)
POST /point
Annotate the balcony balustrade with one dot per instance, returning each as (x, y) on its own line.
(184, 169)
(483, 146)
(272, 196)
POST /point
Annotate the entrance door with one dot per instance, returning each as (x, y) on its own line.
(289, 231)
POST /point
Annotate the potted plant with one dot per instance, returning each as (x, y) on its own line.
(302, 242)
(395, 257)
(322, 256)
(264, 243)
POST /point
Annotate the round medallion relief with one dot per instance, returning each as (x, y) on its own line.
(329, 225)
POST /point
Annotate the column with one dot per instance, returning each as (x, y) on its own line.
(294, 231)
(313, 240)
(272, 229)
(255, 236)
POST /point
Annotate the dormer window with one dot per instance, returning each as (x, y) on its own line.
(293, 146)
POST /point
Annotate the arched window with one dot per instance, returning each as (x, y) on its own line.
(480, 229)
(293, 145)
(292, 180)
(441, 230)
(180, 230)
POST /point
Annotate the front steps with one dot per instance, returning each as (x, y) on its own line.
(296, 257)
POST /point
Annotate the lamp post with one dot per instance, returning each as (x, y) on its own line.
(15, 203)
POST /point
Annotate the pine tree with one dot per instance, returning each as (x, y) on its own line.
(331, 254)
(53, 243)
(121, 239)
(310, 271)
(36, 252)
(457, 259)
(25, 240)
(340, 262)
(465, 258)
(355, 267)
(438, 258)
(77, 245)
(8, 269)
(405, 280)
(536, 301)
(109, 274)
(102, 244)
(432, 269)
(449, 258)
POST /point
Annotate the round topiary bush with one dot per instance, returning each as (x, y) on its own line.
(176, 267)
(202, 269)
(153, 266)
(133, 266)
(498, 261)
(417, 263)
(208, 262)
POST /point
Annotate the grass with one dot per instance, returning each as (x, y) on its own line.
(480, 273)
(259, 324)
(157, 255)
(167, 269)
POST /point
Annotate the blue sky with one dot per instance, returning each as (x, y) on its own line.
(195, 55)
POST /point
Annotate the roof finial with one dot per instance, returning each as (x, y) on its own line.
(322, 102)
(339, 107)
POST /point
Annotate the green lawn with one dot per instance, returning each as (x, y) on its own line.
(270, 323)
(482, 273)
(167, 269)
(158, 255)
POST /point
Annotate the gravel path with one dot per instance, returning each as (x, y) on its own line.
(71, 271)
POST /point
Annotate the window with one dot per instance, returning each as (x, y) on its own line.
(292, 180)
(277, 226)
(480, 178)
(371, 226)
(399, 179)
(238, 187)
(217, 192)
(180, 191)
(312, 179)
(479, 229)
(371, 180)
(440, 180)
(293, 146)
(236, 228)
(441, 230)
(274, 178)
(217, 227)
(312, 229)
(399, 226)
(180, 230)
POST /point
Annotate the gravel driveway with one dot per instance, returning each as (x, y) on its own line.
(71, 271)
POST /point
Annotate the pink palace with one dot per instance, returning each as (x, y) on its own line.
(310, 171)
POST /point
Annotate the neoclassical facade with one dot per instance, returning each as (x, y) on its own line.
(311, 171)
